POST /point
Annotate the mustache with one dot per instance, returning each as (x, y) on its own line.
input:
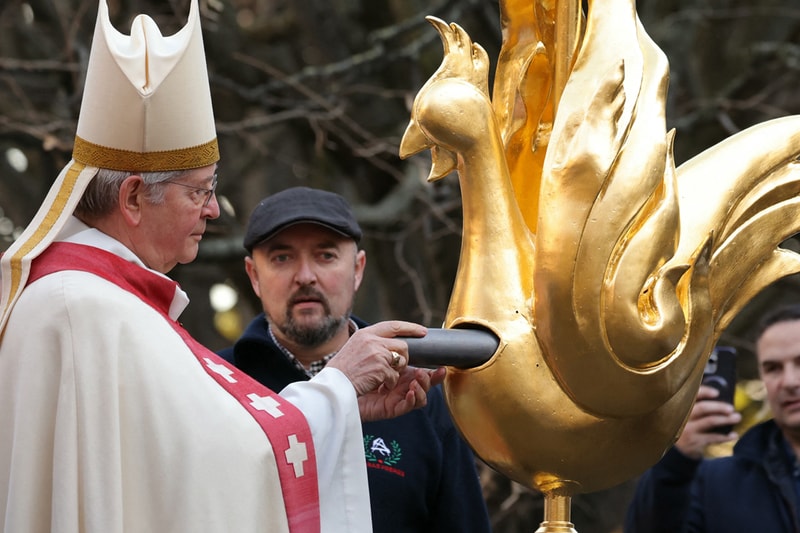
(308, 293)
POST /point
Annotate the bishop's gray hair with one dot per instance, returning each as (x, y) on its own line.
(102, 193)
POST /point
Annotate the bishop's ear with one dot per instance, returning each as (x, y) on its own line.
(132, 198)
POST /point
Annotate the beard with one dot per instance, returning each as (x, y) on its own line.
(310, 334)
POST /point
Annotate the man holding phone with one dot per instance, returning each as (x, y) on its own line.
(755, 489)
(720, 374)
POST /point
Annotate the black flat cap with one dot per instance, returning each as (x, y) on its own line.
(297, 205)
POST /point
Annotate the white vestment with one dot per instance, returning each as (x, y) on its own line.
(109, 423)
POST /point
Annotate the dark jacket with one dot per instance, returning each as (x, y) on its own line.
(750, 491)
(422, 476)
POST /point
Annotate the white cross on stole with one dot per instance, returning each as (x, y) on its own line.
(296, 455)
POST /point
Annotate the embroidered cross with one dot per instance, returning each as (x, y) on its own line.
(222, 370)
(265, 403)
(296, 455)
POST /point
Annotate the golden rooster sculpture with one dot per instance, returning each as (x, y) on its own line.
(606, 272)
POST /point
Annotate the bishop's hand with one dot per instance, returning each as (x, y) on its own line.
(376, 363)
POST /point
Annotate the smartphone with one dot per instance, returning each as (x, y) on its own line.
(720, 373)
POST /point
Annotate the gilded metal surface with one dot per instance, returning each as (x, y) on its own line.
(606, 272)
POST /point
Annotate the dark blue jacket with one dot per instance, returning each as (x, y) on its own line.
(422, 476)
(750, 491)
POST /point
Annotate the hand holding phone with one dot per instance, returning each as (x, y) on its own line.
(720, 373)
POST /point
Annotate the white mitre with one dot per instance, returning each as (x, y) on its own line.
(146, 107)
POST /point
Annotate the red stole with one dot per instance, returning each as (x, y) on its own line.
(284, 424)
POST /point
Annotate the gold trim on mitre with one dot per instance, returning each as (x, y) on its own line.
(111, 158)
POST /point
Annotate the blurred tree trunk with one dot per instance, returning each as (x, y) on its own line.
(317, 92)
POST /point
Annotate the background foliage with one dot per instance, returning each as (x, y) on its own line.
(317, 92)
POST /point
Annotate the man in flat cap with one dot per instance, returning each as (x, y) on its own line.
(305, 265)
(114, 418)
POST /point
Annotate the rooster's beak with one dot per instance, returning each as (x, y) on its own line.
(414, 141)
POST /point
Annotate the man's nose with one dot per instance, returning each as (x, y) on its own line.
(212, 210)
(791, 376)
(305, 274)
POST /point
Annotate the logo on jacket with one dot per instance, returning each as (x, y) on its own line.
(383, 456)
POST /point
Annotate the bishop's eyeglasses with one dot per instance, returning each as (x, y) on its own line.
(201, 195)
